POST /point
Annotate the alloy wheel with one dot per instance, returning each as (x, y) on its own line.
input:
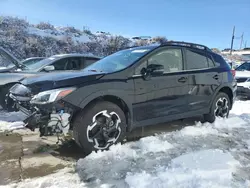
(221, 107)
(104, 130)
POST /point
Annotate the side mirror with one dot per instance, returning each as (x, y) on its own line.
(152, 70)
(155, 69)
(49, 68)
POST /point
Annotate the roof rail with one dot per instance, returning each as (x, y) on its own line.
(188, 44)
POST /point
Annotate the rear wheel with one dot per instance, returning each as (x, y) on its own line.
(220, 108)
(99, 126)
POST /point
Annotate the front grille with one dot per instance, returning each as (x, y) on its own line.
(240, 80)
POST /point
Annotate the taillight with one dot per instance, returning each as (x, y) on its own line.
(233, 72)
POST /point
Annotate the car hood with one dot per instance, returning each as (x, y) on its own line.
(7, 78)
(242, 74)
(7, 69)
(55, 80)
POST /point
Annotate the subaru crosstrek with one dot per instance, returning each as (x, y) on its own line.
(134, 87)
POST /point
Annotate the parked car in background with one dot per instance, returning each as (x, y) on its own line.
(62, 62)
(242, 73)
(130, 88)
(31, 60)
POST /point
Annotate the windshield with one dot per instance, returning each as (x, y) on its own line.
(39, 64)
(243, 67)
(29, 62)
(119, 60)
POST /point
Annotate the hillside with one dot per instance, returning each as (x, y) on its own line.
(26, 40)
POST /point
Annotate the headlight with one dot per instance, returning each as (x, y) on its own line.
(51, 95)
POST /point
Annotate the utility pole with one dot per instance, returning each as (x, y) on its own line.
(232, 41)
(241, 41)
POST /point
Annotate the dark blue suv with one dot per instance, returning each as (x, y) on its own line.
(134, 87)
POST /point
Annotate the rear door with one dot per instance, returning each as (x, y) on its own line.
(203, 78)
(161, 95)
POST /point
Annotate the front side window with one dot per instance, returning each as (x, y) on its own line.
(73, 63)
(171, 59)
(60, 64)
(119, 60)
(196, 60)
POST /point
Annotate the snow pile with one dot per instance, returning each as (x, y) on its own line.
(198, 129)
(203, 155)
(199, 169)
(11, 116)
(7, 126)
(202, 129)
(241, 107)
(62, 179)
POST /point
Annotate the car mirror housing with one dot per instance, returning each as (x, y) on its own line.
(49, 68)
(152, 70)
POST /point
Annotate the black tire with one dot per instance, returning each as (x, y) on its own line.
(212, 115)
(84, 119)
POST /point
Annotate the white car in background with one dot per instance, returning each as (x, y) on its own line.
(242, 75)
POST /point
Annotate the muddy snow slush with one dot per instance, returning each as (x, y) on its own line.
(134, 87)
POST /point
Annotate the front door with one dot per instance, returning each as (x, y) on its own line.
(161, 95)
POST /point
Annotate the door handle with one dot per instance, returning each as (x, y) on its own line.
(182, 79)
(216, 77)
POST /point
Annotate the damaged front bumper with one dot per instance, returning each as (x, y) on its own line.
(50, 118)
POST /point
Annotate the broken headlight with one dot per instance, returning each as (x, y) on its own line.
(50, 96)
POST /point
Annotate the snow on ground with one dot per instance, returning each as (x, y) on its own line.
(6, 126)
(199, 156)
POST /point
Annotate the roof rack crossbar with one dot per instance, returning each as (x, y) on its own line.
(192, 45)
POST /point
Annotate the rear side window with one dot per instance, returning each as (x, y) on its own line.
(196, 59)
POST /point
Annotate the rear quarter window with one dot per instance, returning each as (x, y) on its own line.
(196, 59)
(219, 61)
(210, 61)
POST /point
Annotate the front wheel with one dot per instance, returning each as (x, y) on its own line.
(99, 126)
(220, 108)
